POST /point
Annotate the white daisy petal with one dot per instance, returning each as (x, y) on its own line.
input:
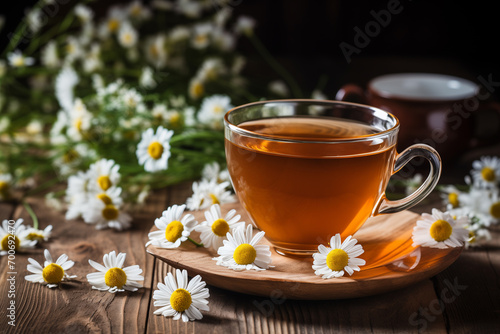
(438, 230)
(118, 279)
(180, 307)
(341, 257)
(52, 273)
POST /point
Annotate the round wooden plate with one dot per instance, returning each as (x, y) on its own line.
(391, 263)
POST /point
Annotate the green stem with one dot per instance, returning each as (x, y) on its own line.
(32, 214)
(297, 93)
(194, 242)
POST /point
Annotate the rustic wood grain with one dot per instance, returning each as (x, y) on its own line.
(473, 306)
(74, 307)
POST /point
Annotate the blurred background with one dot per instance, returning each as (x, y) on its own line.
(306, 37)
(434, 36)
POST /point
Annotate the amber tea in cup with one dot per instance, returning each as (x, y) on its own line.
(305, 170)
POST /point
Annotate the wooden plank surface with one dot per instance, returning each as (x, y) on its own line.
(76, 308)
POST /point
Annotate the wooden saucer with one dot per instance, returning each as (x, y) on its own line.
(386, 268)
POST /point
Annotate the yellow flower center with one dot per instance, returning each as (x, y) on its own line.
(78, 124)
(34, 236)
(495, 210)
(104, 182)
(220, 227)
(127, 38)
(244, 254)
(18, 61)
(201, 39)
(154, 51)
(218, 110)
(180, 300)
(214, 198)
(155, 150)
(488, 174)
(174, 231)
(197, 90)
(136, 10)
(105, 198)
(175, 119)
(53, 273)
(110, 212)
(7, 238)
(337, 259)
(453, 199)
(440, 230)
(472, 237)
(70, 48)
(115, 277)
(4, 189)
(113, 25)
(70, 156)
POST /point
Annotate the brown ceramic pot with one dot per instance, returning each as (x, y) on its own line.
(434, 109)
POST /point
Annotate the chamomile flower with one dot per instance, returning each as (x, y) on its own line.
(5, 185)
(138, 11)
(196, 88)
(215, 228)
(112, 277)
(208, 192)
(17, 59)
(179, 34)
(153, 151)
(213, 109)
(110, 196)
(92, 60)
(201, 35)
(173, 228)
(74, 49)
(413, 183)
(440, 230)
(214, 171)
(52, 273)
(66, 80)
(12, 237)
(279, 87)
(35, 234)
(127, 35)
(491, 208)
(131, 98)
(50, 56)
(105, 215)
(77, 193)
(223, 40)
(103, 174)
(181, 298)
(486, 171)
(156, 53)
(340, 257)
(80, 120)
(84, 13)
(242, 252)
(244, 25)
(115, 18)
(211, 69)
(147, 79)
(451, 196)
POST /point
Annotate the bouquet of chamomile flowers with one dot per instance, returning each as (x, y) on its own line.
(117, 100)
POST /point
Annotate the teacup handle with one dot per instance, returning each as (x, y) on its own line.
(351, 93)
(418, 150)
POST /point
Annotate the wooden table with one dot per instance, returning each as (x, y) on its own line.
(473, 307)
